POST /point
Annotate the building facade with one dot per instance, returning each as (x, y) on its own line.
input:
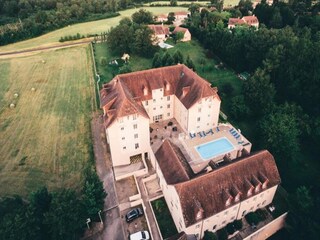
(132, 101)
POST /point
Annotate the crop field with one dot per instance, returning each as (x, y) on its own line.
(45, 137)
(94, 27)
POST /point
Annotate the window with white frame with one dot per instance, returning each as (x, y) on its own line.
(168, 98)
(135, 126)
(136, 135)
(168, 106)
(124, 148)
(147, 103)
(122, 128)
(198, 119)
(136, 145)
(134, 116)
(168, 114)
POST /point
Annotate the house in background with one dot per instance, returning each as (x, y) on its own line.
(161, 33)
(186, 33)
(180, 17)
(247, 21)
(162, 18)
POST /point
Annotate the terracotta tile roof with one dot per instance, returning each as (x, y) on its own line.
(159, 29)
(122, 96)
(250, 19)
(181, 13)
(178, 170)
(235, 21)
(162, 16)
(180, 29)
(209, 192)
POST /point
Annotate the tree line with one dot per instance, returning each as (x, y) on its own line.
(54, 215)
(279, 100)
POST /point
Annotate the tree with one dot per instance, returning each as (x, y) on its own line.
(259, 92)
(173, 3)
(142, 44)
(194, 8)
(177, 57)
(170, 61)
(245, 6)
(190, 63)
(125, 21)
(171, 17)
(209, 235)
(164, 58)
(65, 218)
(178, 36)
(238, 108)
(302, 220)
(142, 17)
(156, 61)
(120, 38)
(276, 20)
(279, 132)
(93, 191)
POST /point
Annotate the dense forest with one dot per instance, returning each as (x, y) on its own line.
(280, 99)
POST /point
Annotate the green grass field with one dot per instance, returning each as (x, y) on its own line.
(94, 27)
(45, 139)
(209, 70)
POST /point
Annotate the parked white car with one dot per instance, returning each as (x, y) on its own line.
(142, 235)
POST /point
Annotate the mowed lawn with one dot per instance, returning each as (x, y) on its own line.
(94, 27)
(45, 139)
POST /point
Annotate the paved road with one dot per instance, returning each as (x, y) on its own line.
(113, 228)
(44, 48)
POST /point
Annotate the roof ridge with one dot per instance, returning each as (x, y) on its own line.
(223, 168)
(181, 165)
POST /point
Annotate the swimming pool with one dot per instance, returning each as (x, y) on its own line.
(214, 148)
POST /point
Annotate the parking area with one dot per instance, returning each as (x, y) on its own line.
(138, 224)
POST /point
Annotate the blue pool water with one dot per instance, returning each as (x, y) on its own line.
(214, 148)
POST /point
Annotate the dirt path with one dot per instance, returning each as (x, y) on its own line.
(55, 46)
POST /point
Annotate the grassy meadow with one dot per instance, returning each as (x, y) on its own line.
(46, 138)
(94, 27)
(209, 70)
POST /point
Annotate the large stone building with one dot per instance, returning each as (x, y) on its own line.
(206, 172)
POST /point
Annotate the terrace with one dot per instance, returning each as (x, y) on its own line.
(189, 142)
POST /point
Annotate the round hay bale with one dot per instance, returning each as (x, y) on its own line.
(33, 89)
(12, 105)
(43, 61)
(16, 95)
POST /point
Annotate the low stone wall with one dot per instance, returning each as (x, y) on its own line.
(269, 229)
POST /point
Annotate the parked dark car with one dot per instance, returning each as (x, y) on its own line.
(133, 214)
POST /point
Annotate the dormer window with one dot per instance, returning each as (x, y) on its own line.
(237, 198)
(228, 202)
(145, 91)
(167, 86)
(257, 188)
(265, 184)
(249, 193)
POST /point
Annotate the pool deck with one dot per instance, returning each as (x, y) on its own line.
(187, 144)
